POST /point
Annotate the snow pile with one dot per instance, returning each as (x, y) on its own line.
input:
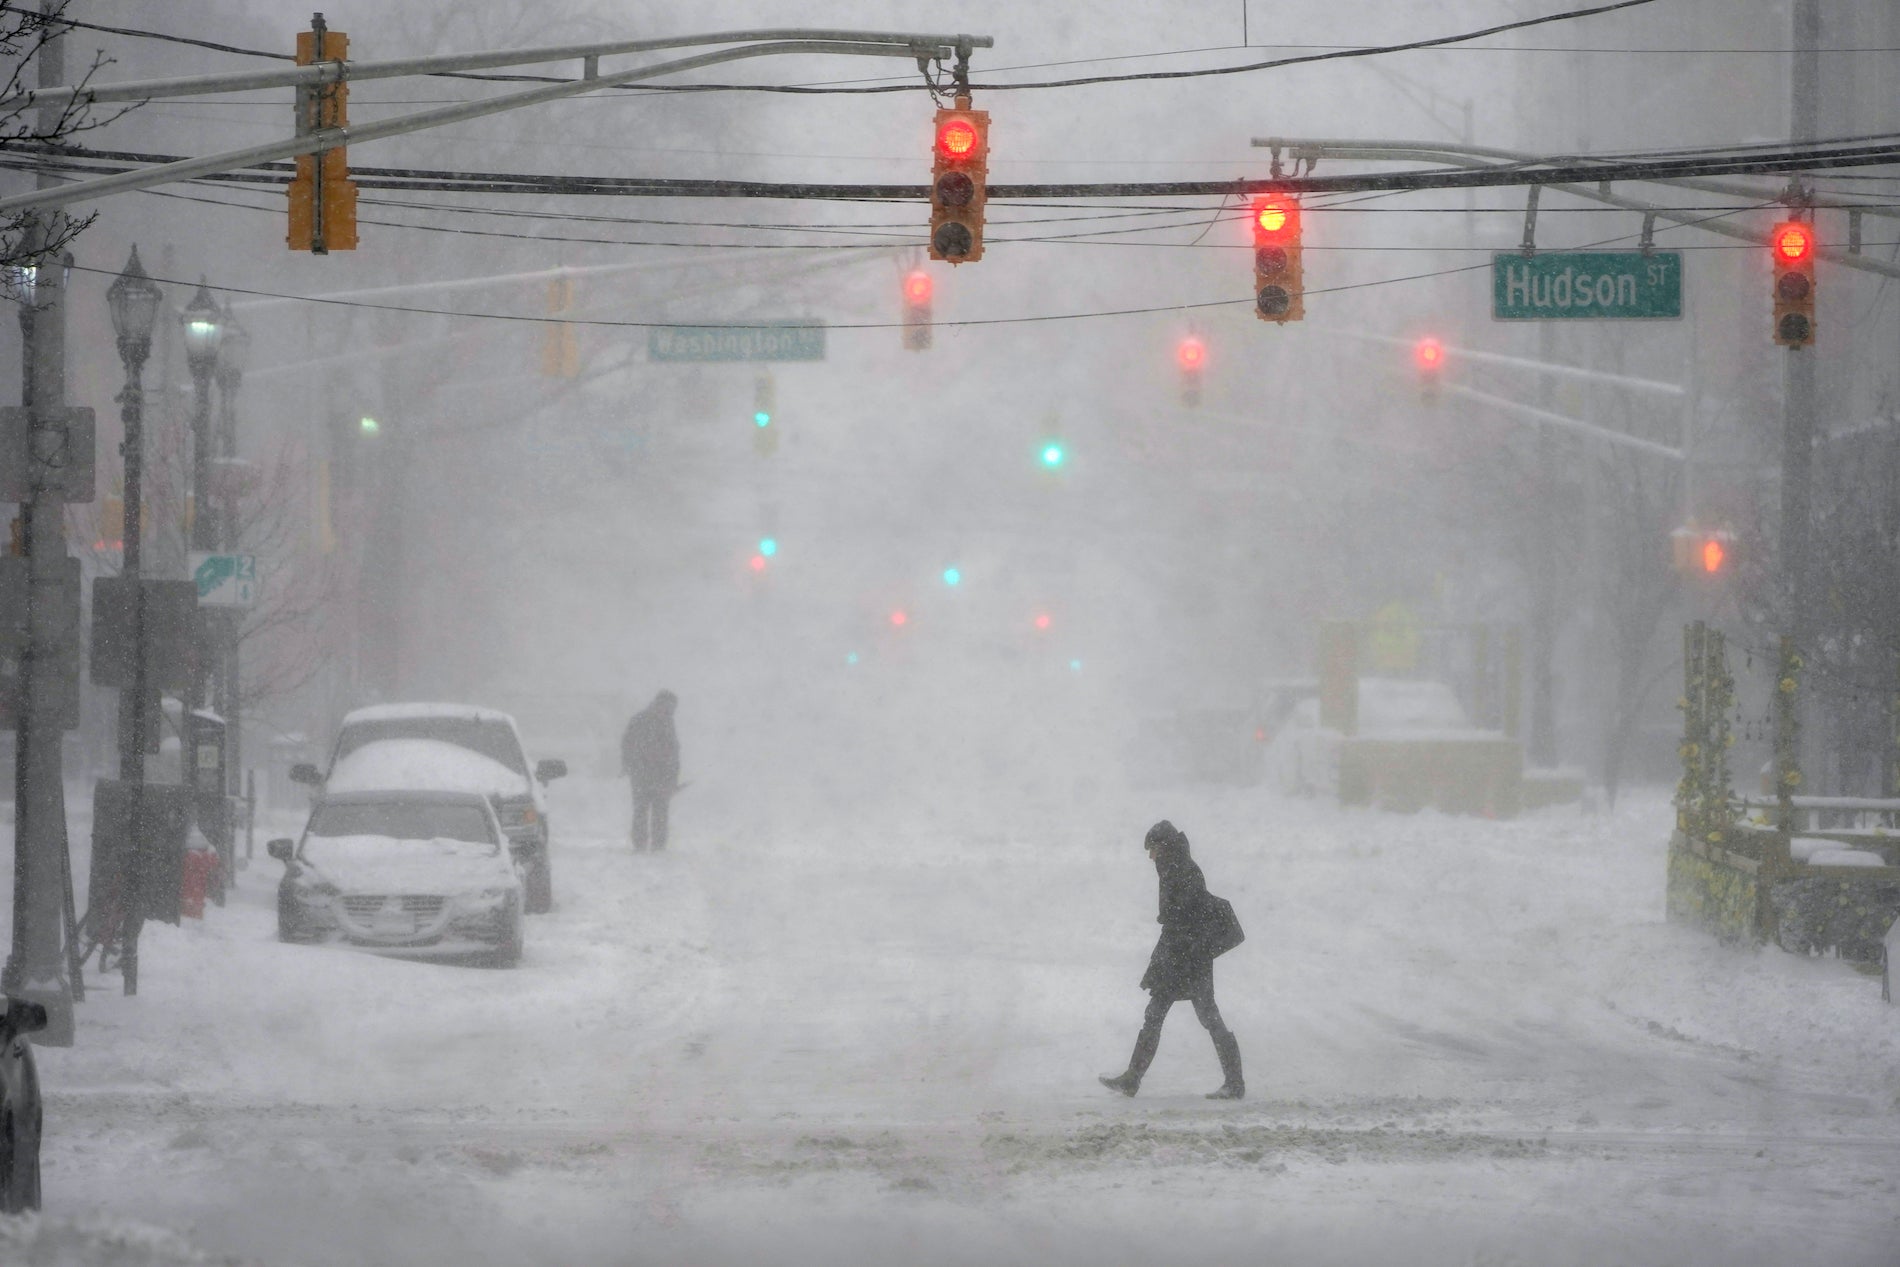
(38, 1241)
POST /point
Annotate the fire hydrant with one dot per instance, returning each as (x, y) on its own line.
(201, 863)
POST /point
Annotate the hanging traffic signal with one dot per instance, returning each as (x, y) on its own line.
(1054, 455)
(1791, 246)
(1278, 277)
(1191, 355)
(322, 196)
(917, 292)
(764, 435)
(1428, 355)
(960, 172)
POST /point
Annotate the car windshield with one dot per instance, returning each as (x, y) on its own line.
(404, 820)
(493, 737)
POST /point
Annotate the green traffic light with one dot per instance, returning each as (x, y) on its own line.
(369, 426)
(1052, 455)
(762, 418)
(951, 576)
(768, 546)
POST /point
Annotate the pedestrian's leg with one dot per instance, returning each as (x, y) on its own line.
(1146, 1044)
(1226, 1046)
(660, 800)
(640, 837)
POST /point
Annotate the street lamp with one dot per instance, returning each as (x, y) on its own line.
(204, 331)
(134, 298)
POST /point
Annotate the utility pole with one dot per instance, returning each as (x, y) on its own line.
(37, 969)
(1798, 380)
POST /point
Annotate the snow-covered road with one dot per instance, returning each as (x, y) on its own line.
(805, 1037)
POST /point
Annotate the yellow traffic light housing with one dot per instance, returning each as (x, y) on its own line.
(322, 196)
(1791, 246)
(958, 183)
(1279, 282)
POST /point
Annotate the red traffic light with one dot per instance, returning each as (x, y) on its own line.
(1191, 354)
(900, 618)
(1792, 241)
(1272, 216)
(1042, 620)
(1429, 355)
(917, 287)
(957, 139)
(1714, 555)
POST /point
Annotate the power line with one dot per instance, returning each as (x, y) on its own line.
(528, 319)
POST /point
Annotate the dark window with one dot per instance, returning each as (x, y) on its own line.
(404, 820)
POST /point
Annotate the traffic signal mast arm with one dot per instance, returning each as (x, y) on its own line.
(864, 44)
(1507, 166)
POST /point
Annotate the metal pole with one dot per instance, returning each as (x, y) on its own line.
(37, 967)
(133, 352)
(1798, 404)
(334, 138)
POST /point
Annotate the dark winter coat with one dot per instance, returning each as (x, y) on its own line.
(1181, 966)
(650, 748)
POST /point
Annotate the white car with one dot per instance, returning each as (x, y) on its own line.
(406, 872)
(451, 748)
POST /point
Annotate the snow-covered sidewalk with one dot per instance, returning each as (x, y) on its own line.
(802, 1037)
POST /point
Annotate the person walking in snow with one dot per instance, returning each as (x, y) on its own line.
(1196, 927)
(650, 758)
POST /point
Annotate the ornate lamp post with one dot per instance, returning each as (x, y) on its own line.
(134, 298)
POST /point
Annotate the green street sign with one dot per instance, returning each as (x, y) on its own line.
(772, 341)
(1586, 286)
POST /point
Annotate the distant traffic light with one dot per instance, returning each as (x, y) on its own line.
(758, 563)
(1278, 274)
(1041, 622)
(764, 413)
(958, 183)
(1707, 552)
(1428, 356)
(1191, 355)
(322, 196)
(952, 577)
(1791, 246)
(368, 426)
(1053, 454)
(917, 315)
(899, 618)
(768, 546)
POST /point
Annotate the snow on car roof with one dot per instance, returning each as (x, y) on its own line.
(404, 712)
(383, 764)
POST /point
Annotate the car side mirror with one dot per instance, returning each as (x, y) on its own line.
(304, 772)
(549, 769)
(24, 1017)
(281, 848)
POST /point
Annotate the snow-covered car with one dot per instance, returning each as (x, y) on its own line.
(19, 1107)
(451, 748)
(407, 872)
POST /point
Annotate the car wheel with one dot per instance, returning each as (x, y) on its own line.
(539, 883)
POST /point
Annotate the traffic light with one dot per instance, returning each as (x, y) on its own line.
(1428, 355)
(322, 196)
(1791, 246)
(1054, 455)
(1278, 279)
(917, 291)
(1191, 355)
(1706, 552)
(952, 577)
(764, 433)
(960, 171)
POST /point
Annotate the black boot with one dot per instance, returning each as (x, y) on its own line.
(1234, 1087)
(1126, 1083)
